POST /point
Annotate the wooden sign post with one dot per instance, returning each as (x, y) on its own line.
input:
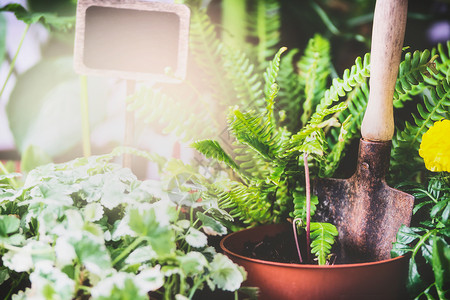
(132, 40)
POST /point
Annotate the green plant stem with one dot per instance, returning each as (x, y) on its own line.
(421, 242)
(127, 250)
(194, 288)
(308, 208)
(77, 276)
(325, 19)
(85, 116)
(11, 181)
(13, 62)
(33, 251)
(234, 22)
(15, 283)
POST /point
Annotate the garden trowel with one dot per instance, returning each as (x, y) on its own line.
(366, 211)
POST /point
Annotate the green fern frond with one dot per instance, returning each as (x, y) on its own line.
(356, 105)
(247, 203)
(413, 71)
(331, 162)
(410, 95)
(254, 131)
(288, 99)
(323, 237)
(300, 204)
(212, 149)
(271, 88)
(443, 62)
(340, 87)
(271, 73)
(207, 51)
(351, 119)
(264, 27)
(314, 130)
(246, 82)
(435, 106)
(153, 106)
(352, 90)
(250, 163)
(314, 68)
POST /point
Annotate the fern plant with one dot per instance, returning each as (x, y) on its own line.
(264, 27)
(267, 196)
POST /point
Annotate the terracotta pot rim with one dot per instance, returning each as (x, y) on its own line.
(299, 266)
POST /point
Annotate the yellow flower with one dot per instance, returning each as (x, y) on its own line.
(435, 147)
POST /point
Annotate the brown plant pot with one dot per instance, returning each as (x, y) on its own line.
(374, 280)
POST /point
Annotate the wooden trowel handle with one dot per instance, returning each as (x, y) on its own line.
(387, 41)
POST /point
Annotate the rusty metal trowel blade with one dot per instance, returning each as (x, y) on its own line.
(366, 211)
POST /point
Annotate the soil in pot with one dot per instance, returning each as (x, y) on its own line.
(289, 281)
(277, 248)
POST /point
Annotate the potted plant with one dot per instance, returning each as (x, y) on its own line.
(89, 228)
(267, 185)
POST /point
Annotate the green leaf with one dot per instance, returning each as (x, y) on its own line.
(126, 286)
(120, 287)
(92, 254)
(25, 258)
(415, 282)
(212, 149)
(270, 76)
(44, 109)
(8, 225)
(154, 225)
(54, 193)
(93, 212)
(300, 204)
(192, 263)
(141, 255)
(441, 266)
(4, 275)
(196, 238)
(51, 283)
(211, 226)
(50, 20)
(225, 274)
(322, 236)
(113, 191)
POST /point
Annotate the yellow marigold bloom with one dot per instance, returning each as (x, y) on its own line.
(435, 147)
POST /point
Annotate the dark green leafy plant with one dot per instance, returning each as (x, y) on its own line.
(427, 242)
